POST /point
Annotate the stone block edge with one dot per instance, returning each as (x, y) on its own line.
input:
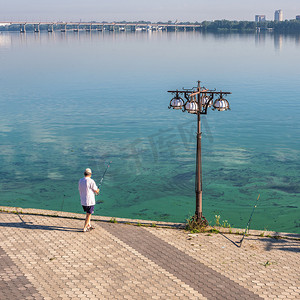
(148, 223)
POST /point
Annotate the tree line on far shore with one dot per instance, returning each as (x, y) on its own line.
(288, 26)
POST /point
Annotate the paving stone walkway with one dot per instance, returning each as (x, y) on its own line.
(44, 257)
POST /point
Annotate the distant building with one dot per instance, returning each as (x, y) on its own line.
(278, 15)
(298, 17)
(260, 18)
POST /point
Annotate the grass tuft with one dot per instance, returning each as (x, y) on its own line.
(195, 227)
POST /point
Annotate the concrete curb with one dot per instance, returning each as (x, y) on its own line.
(149, 223)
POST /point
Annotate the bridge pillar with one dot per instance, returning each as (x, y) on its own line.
(50, 27)
(23, 28)
(89, 27)
(63, 27)
(36, 27)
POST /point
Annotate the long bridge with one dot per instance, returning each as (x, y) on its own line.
(99, 26)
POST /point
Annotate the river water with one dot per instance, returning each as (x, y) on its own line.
(74, 100)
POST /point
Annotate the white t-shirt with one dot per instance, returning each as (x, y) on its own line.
(86, 187)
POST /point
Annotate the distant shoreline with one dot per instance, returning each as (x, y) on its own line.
(287, 26)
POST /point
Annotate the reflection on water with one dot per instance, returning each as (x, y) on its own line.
(278, 38)
(79, 99)
(260, 39)
(56, 36)
(5, 41)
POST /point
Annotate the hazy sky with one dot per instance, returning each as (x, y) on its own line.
(152, 10)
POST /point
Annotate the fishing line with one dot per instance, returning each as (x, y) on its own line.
(248, 224)
(62, 204)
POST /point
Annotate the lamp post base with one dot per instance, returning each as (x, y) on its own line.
(200, 219)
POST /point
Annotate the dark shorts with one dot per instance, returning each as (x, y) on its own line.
(88, 209)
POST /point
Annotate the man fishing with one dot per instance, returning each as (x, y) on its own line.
(87, 190)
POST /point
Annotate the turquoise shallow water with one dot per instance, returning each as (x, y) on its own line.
(70, 101)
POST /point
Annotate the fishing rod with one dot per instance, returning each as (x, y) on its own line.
(101, 180)
(248, 224)
(108, 165)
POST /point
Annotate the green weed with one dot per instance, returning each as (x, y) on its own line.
(195, 227)
(217, 220)
(267, 263)
(225, 224)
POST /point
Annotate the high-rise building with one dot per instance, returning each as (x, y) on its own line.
(260, 18)
(278, 15)
(298, 17)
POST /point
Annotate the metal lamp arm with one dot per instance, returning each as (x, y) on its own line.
(186, 96)
(210, 99)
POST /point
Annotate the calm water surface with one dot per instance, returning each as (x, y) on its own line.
(70, 101)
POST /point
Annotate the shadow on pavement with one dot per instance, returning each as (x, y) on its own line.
(41, 227)
(237, 244)
(281, 244)
(29, 225)
(271, 243)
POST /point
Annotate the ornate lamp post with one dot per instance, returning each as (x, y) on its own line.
(197, 101)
